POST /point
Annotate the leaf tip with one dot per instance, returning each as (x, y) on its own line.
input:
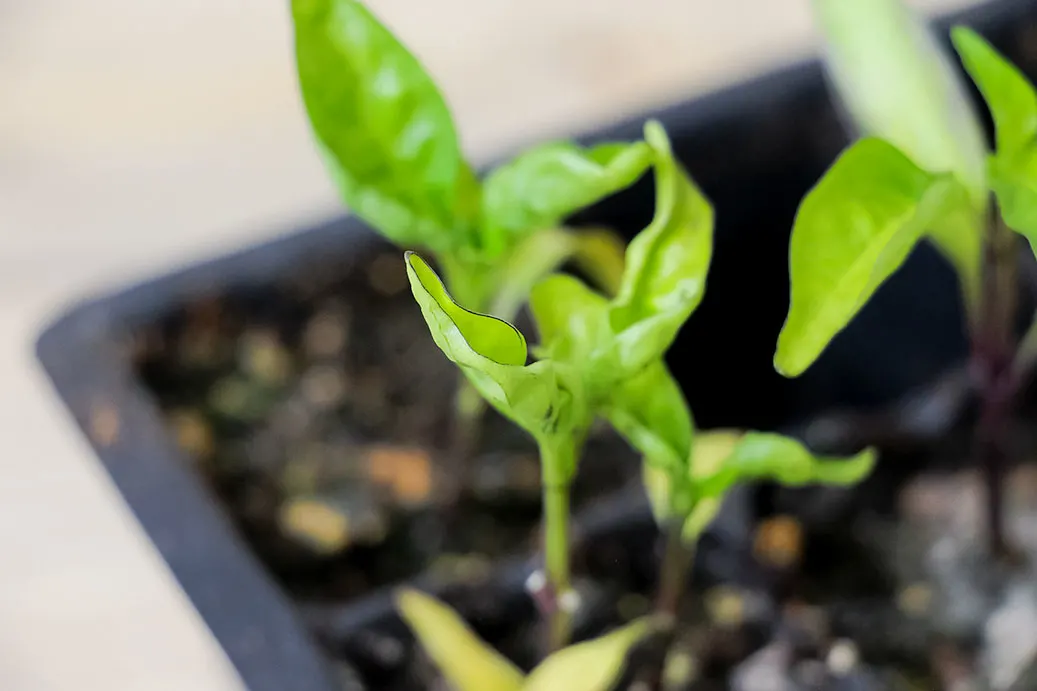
(655, 135)
(787, 363)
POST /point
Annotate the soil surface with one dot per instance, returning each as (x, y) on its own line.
(320, 412)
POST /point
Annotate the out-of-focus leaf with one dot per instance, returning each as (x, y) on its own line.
(385, 131)
(852, 231)
(1013, 103)
(1009, 95)
(767, 456)
(542, 186)
(1014, 181)
(594, 665)
(898, 84)
(666, 264)
(601, 255)
(465, 660)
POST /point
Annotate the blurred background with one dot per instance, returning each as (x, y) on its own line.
(137, 135)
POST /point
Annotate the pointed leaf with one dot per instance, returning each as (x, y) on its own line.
(385, 131)
(1009, 95)
(544, 398)
(591, 666)
(466, 662)
(899, 85)
(650, 411)
(540, 187)
(852, 231)
(766, 456)
(666, 264)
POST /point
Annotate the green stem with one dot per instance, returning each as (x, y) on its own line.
(558, 463)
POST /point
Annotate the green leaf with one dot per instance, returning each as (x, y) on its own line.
(898, 84)
(666, 264)
(384, 129)
(650, 411)
(466, 661)
(545, 398)
(601, 255)
(1013, 103)
(572, 320)
(1014, 181)
(489, 337)
(852, 231)
(598, 252)
(766, 456)
(1009, 95)
(590, 666)
(542, 186)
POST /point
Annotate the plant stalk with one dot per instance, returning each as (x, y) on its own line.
(993, 364)
(673, 572)
(558, 460)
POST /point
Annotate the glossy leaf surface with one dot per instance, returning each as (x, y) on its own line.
(386, 133)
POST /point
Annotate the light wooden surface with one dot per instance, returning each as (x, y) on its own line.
(137, 135)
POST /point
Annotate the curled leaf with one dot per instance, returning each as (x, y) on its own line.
(464, 660)
(590, 666)
(852, 231)
(386, 133)
(544, 398)
(542, 186)
(488, 337)
(666, 264)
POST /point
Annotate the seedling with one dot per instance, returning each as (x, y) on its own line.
(921, 172)
(591, 346)
(604, 357)
(468, 664)
(392, 150)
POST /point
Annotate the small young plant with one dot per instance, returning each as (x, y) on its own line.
(602, 357)
(591, 346)
(469, 664)
(392, 150)
(922, 171)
